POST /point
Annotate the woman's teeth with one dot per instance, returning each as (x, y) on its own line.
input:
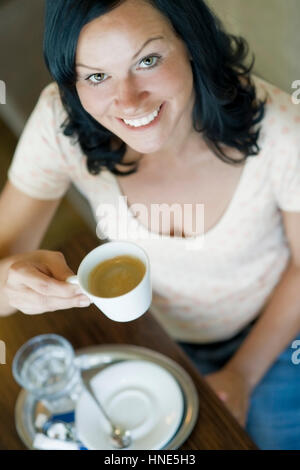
(144, 121)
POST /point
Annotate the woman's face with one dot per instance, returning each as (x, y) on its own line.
(131, 65)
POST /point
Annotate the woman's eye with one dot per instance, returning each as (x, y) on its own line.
(95, 79)
(151, 61)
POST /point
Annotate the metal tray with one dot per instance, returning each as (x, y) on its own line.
(27, 407)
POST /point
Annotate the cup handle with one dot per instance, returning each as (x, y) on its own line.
(72, 280)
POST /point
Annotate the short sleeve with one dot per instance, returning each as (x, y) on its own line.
(38, 167)
(285, 152)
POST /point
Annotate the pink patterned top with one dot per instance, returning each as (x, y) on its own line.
(199, 295)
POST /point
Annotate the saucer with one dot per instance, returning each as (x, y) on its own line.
(28, 409)
(138, 395)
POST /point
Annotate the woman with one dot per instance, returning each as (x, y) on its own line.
(157, 106)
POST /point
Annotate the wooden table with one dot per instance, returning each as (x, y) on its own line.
(215, 428)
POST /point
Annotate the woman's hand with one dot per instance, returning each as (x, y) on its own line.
(233, 390)
(36, 283)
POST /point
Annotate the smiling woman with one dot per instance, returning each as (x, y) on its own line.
(180, 61)
(159, 87)
(153, 101)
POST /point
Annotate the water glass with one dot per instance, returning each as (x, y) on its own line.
(45, 367)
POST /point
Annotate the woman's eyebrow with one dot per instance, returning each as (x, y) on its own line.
(134, 57)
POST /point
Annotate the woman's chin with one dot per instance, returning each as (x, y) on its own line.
(145, 147)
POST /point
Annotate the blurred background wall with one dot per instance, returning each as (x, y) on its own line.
(21, 61)
(272, 28)
(22, 69)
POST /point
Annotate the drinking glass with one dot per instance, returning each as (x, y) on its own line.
(45, 367)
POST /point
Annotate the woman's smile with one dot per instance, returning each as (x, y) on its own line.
(146, 122)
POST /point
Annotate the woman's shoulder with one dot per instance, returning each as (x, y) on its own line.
(280, 143)
(281, 107)
(51, 112)
(280, 126)
(50, 92)
(50, 101)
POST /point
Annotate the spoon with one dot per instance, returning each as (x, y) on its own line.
(120, 437)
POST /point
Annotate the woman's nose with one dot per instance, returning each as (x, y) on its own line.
(129, 98)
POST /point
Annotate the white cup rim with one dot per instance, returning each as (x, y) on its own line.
(90, 254)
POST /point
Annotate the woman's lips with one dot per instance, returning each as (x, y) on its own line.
(147, 126)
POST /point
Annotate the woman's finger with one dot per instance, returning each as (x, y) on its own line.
(28, 274)
(32, 303)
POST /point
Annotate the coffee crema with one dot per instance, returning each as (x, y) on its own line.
(116, 276)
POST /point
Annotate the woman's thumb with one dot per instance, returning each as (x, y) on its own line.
(58, 266)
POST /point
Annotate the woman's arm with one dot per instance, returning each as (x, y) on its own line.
(276, 327)
(279, 323)
(23, 223)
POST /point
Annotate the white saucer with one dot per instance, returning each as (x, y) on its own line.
(139, 395)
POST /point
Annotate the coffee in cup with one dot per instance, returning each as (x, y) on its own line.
(116, 277)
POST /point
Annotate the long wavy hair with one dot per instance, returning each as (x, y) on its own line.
(226, 110)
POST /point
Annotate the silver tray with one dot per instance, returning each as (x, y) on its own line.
(27, 407)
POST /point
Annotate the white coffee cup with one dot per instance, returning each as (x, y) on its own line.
(126, 307)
